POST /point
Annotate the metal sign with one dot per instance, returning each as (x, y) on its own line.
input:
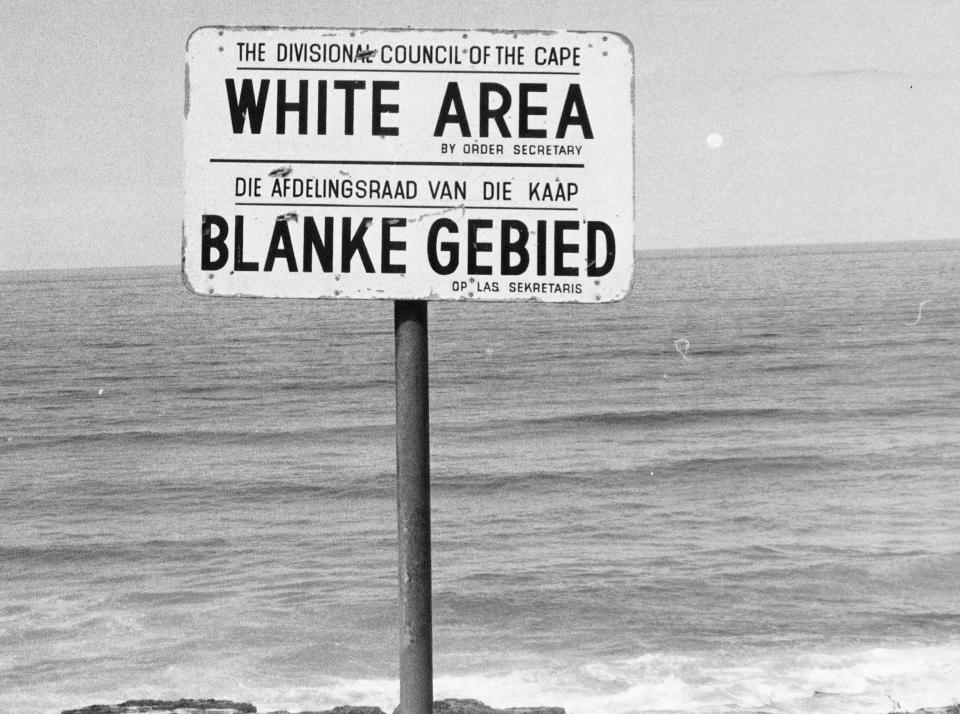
(409, 164)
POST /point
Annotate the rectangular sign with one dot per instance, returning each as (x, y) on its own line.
(409, 164)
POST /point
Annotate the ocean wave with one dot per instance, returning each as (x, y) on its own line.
(59, 554)
(737, 350)
(844, 681)
(380, 484)
(796, 367)
(193, 437)
(100, 550)
(854, 682)
(487, 483)
(663, 417)
(790, 464)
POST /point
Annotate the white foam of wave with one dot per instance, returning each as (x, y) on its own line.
(851, 682)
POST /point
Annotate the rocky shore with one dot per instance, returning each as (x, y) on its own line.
(222, 706)
(446, 706)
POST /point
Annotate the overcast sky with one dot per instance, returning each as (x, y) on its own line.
(757, 122)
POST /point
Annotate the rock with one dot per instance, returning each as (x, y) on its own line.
(222, 706)
(339, 710)
(472, 706)
(168, 706)
(952, 709)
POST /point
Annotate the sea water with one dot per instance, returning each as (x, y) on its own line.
(735, 491)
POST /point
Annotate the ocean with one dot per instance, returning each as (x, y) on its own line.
(735, 491)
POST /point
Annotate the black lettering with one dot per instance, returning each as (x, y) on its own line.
(452, 248)
(239, 265)
(474, 246)
(349, 246)
(283, 106)
(541, 247)
(594, 270)
(515, 247)
(573, 101)
(379, 109)
(322, 106)
(349, 87)
(452, 112)
(560, 248)
(281, 234)
(498, 113)
(525, 132)
(219, 242)
(246, 107)
(387, 246)
(313, 243)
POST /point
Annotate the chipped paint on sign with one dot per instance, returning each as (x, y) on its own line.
(409, 164)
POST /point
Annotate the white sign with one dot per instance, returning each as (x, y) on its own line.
(409, 164)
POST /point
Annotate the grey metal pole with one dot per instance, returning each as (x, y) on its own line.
(413, 507)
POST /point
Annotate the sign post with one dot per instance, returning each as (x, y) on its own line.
(409, 165)
(413, 506)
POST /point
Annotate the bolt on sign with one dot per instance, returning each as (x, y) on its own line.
(409, 164)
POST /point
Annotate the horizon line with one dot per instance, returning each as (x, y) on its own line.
(636, 249)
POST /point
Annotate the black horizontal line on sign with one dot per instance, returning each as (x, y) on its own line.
(402, 71)
(504, 164)
(404, 205)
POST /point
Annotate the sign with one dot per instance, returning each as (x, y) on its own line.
(409, 164)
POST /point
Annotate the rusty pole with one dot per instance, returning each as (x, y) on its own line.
(413, 507)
